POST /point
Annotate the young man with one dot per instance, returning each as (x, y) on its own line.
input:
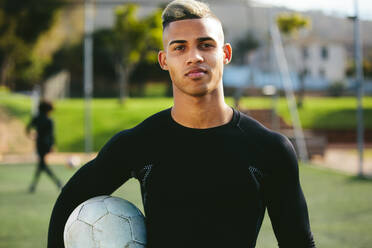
(44, 142)
(207, 172)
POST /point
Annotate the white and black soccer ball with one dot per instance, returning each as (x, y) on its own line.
(105, 222)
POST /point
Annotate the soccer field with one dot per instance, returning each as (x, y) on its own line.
(340, 207)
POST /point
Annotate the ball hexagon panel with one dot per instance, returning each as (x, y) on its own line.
(138, 229)
(121, 207)
(90, 214)
(79, 235)
(112, 231)
(73, 217)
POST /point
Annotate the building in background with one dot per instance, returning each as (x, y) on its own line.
(319, 57)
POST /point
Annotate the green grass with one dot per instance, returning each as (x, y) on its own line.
(155, 90)
(16, 105)
(320, 112)
(109, 116)
(339, 206)
(25, 217)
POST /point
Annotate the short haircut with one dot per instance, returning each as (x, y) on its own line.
(45, 107)
(178, 10)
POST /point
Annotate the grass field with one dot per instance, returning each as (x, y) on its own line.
(339, 205)
(110, 117)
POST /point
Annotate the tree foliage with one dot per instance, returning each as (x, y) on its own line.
(133, 40)
(291, 23)
(243, 46)
(367, 68)
(21, 25)
(123, 54)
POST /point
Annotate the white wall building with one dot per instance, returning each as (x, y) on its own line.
(318, 58)
(237, 16)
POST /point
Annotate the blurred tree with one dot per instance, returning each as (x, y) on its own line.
(116, 50)
(133, 40)
(289, 24)
(144, 72)
(69, 57)
(244, 46)
(21, 25)
(367, 68)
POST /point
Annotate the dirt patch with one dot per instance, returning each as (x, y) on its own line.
(344, 157)
(13, 138)
(70, 160)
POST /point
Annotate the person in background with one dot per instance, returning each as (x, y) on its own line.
(44, 127)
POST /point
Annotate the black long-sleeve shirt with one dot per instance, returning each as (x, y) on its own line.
(200, 187)
(45, 132)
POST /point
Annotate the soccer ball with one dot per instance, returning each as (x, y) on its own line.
(73, 162)
(105, 222)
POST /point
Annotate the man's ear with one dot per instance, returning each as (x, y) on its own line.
(227, 50)
(162, 58)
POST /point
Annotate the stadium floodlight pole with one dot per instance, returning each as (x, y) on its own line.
(88, 72)
(287, 83)
(359, 83)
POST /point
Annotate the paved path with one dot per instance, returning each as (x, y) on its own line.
(345, 158)
(68, 159)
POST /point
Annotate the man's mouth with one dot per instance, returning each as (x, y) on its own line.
(196, 73)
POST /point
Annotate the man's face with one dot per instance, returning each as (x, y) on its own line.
(194, 54)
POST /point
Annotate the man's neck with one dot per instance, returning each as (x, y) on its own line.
(201, 112)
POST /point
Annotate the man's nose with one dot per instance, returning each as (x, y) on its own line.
(194, 56)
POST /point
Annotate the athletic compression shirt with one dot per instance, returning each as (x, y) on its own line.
(201, 188)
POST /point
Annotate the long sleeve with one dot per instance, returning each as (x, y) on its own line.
(101, 176)
(285, 200)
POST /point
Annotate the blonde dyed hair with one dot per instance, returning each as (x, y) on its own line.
(185, 9)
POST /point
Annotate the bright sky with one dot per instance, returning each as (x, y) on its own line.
(341, 7)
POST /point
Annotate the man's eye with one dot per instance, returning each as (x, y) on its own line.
(179, 48)
(206, 45)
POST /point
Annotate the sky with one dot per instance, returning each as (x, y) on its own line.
(339, 7)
